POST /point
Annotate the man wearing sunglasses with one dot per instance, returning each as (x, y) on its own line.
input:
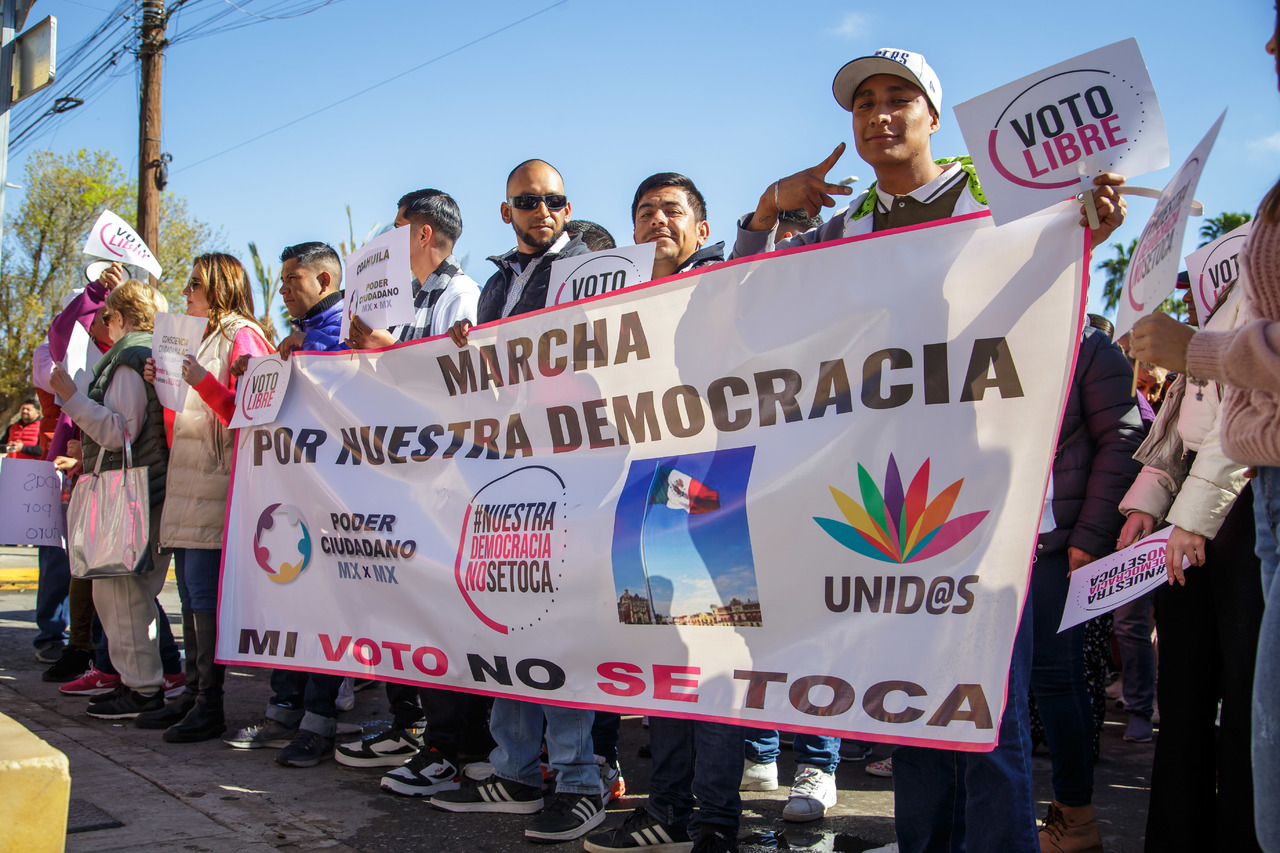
(537, 209)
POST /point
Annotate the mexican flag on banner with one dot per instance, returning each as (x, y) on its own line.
(678, 490)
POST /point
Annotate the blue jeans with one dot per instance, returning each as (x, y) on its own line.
(51, 596)
(973, 802)
(517, 729)
(197, 571)
(821, 751)
(305, 700)
(696, 760)
(1132, 628)
(1059, 684)
(1266, 674)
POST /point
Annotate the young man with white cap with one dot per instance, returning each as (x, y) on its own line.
(943, 799)
(896, 101)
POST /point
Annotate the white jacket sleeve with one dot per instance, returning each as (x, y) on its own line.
(1152, 492)
(41, 367)
(1211, 487)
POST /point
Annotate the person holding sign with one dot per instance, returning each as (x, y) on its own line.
(1247, 359)
(311, 288)
(120, 406)
(301, 719)
(442, 293)
(669, 211)
(199, 479)
(895, 99)
(694, 761)
(537, 210)
(1201, 796)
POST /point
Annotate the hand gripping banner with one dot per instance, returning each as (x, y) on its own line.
(796, 491)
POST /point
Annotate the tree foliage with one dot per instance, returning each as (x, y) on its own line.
(1113, 286)
(1223, 223)
(43, 242)
(268, 286)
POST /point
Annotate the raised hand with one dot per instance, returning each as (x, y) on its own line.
(807, 189)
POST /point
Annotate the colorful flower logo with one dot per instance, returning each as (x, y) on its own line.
(897, 527)
(282, 543)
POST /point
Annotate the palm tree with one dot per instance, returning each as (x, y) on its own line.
(1115, 269)
(267, 285)
(1113, 287)
(1223, 223)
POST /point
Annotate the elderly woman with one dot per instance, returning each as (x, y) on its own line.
(120, 407)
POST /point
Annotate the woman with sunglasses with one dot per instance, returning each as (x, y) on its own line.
(198, 483)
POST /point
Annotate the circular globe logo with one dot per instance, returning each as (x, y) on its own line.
(282, 543)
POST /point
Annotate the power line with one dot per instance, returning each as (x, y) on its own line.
(91, 66)
(368, 89)
(277, 17)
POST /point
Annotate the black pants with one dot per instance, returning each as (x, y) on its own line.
(448, 714)
(1202, 782)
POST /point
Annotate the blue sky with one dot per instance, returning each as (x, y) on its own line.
(732, 94)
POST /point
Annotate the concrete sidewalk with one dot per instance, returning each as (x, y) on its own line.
(131, 791)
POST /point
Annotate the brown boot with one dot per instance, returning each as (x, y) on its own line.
(1070, 829)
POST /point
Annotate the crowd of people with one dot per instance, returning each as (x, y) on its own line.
(1180, 453)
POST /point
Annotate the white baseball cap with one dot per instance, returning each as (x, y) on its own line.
(887, 60)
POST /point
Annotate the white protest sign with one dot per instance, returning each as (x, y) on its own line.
(82, 356)
(1036, 140)
(260, 391)
(1153, 268)
(584, 276)
(1105, 584)
(176, 336)
(31, 494)
(379, 283)
(113, 238)
(1214, 267)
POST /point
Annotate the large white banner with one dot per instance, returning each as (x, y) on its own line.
(678, 499)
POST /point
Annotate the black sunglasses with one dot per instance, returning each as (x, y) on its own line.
(531, 202)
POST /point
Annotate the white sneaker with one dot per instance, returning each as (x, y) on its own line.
(611, 781)
(346, 695)
(812, 793)
(758, 776)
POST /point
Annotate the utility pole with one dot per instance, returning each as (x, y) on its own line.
(151, 57)
(8, 26)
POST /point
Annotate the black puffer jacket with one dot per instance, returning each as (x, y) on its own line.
(534, 296)
(1094, 465)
